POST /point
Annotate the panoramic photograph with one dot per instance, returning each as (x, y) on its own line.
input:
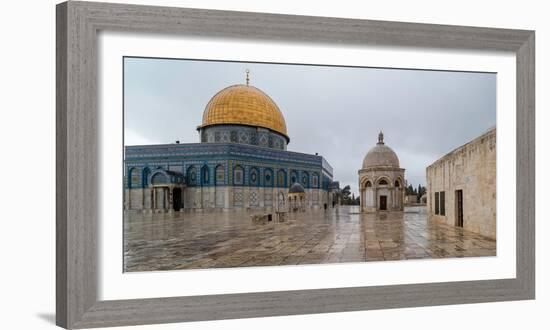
(246, 164)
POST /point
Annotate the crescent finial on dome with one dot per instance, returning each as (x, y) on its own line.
(247, 77)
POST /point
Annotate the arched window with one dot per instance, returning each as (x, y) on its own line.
(305, 179)
(293, 177)
(368, 184)
(205, 175)
(382, 182)
(315, 180)
(220, 175)
(397, 184)
(134, 178)
(281, 178)
(254, 176)
(268, 177)
(238, 175)
(192, 176)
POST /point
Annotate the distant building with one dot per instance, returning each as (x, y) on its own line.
(241, 162)
(411, 199)
(424, 199)
(462, 186)
(381, 180)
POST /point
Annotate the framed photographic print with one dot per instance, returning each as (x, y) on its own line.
(215, 164)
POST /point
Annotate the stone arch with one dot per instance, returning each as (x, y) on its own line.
(384, 180)
(398, 182)
(363, 180)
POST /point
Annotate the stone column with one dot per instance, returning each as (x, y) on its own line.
(170, 199)
(261, 197)
(228, 197)
(246, 196)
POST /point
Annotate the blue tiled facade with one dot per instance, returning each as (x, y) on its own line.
(241, 162)
(224, 164)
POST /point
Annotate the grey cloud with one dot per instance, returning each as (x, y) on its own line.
(335, 111)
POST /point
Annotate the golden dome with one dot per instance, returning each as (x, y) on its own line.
(244, 105)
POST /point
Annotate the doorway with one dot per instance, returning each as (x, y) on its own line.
(176, 199)
(459, 209)
(383, 203)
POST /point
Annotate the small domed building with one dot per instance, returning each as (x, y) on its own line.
(296, 197)
(381, 179)
(241, 162)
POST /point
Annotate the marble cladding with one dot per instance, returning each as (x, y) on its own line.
(471, 169)
(193, 240)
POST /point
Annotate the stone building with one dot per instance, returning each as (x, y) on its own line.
(411, 199)
(241, 162)
(381, 180)
(462, 186)
(424, 199)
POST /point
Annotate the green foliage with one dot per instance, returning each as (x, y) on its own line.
(348, 198)
(419, 191)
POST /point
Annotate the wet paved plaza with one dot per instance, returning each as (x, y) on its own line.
(230, 239)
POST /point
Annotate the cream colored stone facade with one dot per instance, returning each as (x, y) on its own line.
(411, 199)
(469, 171)
(381, 180)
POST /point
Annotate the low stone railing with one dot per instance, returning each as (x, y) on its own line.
(267, 217)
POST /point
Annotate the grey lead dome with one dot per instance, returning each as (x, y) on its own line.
(380, 155)
(296, 188)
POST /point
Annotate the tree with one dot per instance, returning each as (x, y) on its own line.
(348, 198)
(409, 190)
(346, 191)
(421, 192)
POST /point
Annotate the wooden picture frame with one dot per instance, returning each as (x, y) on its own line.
(77, 191)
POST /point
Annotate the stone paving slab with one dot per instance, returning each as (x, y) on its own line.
(229, 239)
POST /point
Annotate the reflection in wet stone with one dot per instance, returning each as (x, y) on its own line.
(342, 234)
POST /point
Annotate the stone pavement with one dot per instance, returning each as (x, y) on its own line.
(229, 239)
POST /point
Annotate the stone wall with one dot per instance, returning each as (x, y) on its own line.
(411, 199)
(472, 169)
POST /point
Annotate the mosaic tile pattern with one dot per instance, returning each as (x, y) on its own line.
(229, 239)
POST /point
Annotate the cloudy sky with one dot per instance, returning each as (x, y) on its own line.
(335, 111)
